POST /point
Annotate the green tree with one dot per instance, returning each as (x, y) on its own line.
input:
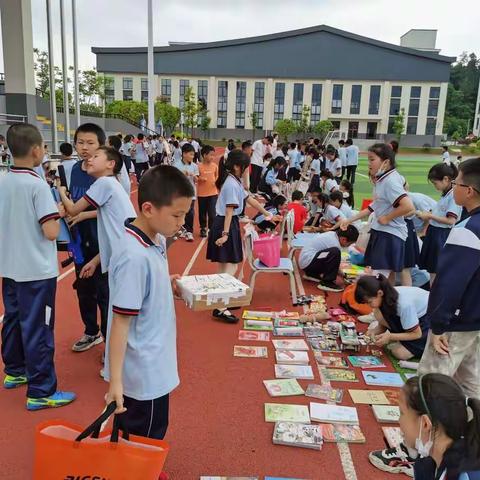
(169, 115)
(191, 109)
(91, 87)
(303, 125)
(322, 127)
(399, 124)
(205, 122)
(130, 110)
(253, 121)
(285, 128)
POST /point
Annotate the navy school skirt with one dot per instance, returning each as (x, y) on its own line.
(432, 245)
(314, 183)
(385, 251)
(231, 251)
(412, 249)
(416, 347)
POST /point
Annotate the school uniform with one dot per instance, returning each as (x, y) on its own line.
(269, 179)
(352, 152)
(320, 257)
(334, 166)
(329, 185)
(192, 169)
(141, 289)
(386, 247)
(412, 248)
(141, 159)
(207, 193)
(422, 203)
(294, 168)
(256, 162)
(315, 169)
(67, 166)
(346, 209)
(437, 233)
(127, 158)
(232, 194)
(92, 292)
(29, 268)
(333, 214)
(446, 158)
(342, 154)
(114, 207)
(263, 224)
(124, 179)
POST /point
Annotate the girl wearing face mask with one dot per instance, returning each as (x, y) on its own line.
(441, 429)
(386, 247)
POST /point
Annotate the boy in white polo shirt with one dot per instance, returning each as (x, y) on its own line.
(29, 268)
(141, 360)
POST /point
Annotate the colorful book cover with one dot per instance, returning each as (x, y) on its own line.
(294, 371)
(257, 315)
(326, 345)
(393, 436)
(369, 397)
(280, 412)
(330, 361)
(342, 433)
(263, 327)
(321, 412)
(324, 392)
(292, 357)
(383, 379)
(290, 344)
(254, 336)
(365, 361)
(249, 351)
(298, 435)
(285, 322)
(393, 396)
(310, 332)
(336, 311)
(337, 375)
(386, 413)
(288, 331)
(283, 387)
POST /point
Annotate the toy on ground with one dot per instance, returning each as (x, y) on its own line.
(349, 337)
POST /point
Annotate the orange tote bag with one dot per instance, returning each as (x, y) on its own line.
(64, 451)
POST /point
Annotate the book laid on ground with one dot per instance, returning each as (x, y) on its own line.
(268, 315)
(310, 332)
(323, 413)
(330, 361)
(254, 336)
(324, 392)
(248, 351)
(295, 344)
(365, 361)
(298, 435)
(324, 344)
(369, 397)
(337, 375)
(257, 325)
(283, 387)
(285, 322)
(280, 412)
(386, 413)
(288, 331)
(294, 371)
(292, 357)
(383, 379)
(393, 436)
(342, 433)
(393, 396)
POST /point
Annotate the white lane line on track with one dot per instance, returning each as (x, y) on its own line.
(194, 257)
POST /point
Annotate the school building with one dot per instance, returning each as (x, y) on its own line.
(358, 83)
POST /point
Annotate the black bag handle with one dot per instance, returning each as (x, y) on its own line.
(93, 430)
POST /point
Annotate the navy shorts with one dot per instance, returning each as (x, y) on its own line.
(385, 251)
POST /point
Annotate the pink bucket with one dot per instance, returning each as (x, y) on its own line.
(267, 249)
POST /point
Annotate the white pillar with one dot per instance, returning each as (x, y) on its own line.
(51, 65)
(66, 103)
(151, 79)
(76, 94)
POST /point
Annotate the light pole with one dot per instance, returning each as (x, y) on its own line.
(66, 103)
(75, 63)
(51, 66)
(151, 78)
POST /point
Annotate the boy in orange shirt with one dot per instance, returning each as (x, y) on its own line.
(207, 192)
(300, 212)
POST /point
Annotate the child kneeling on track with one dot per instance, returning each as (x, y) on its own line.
(440, 427)
(269, 181)
(400, 312)
(274, 208)
(321, 255)
(224, 239)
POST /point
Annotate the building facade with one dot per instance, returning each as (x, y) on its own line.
(359, 84)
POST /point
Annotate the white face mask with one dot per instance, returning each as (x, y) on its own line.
(383, 169)
(346, 195)
(421, 449)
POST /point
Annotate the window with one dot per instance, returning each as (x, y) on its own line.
(127, 88)
(336, 124)
(352, 129)
(432, 108)
(434, 92)
(432, 111)
(202, 93)
(337, 95)
(412, 125)
(297, 101)
(258, 102)
(316, 103)
(222, 104)
(415, 92)
(184, 84)
(355, 100)
(240, 105)
(396, 91)
(374, 103)
(166, 89)
(395, 98)
(144, 89)
(109, 90)
(394, 106)
(279, 105)
(413, 107)
(431, 126)
(372, 130)
(391, 121)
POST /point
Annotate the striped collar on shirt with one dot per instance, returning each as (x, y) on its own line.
(26, 170)
(385, 174)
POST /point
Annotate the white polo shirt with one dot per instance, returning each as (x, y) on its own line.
(352, 155)
(315, 244)
(140, 287)
(26, 202)
(232, 194)
(258, 152)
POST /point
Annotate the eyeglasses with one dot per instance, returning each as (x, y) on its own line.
(456, 184)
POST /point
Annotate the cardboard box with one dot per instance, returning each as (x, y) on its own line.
(207, 292)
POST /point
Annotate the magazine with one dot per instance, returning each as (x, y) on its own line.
(326, 345)
(254, 336)
(280, 412)
(337, 375)
(330, 361)
(298, 435)
(294, 371)
(310, 332)
(393, 436)
(283, 387)
(324, 392)
(263, 326)
(342, 433)
(248, 351)
(288, 331)
(383, 379)
(365, 361)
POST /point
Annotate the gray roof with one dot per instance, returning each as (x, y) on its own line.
(316, 52)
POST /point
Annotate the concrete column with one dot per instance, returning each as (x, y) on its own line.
(231, 101)
(18, 58)
(212, 101)
(268, 106)
(326, 100)
(249, 102)
(441, 107)
(422, 110)
(384, 107)
(288, 108)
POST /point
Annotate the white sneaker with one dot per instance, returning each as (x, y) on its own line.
(189, 237)
(367, 318)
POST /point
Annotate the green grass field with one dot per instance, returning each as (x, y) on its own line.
(413, 168)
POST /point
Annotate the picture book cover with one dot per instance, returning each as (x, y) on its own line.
(257, 325)
(254, 336)
(386, 413)
(310, 332)
(257, 315)
(383, 379)
(326, 345)
(337, 375)
(393, 436)
(295, 344)
(393, 396)
(283, 387)
(330, 361)
(294, 371)
(342, 433)
(288, 331)
(321, 412)
(285, 322)
(324, 392)
(298, 435)
(279, 412)
(369, 397)
(292, 357)
(248, 351)
(366, 361)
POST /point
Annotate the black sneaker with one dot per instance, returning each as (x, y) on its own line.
(203, 232)
(225, 315)
(393, 460)
(87, 342)
(328, 286)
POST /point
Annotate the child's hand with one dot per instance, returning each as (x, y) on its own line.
(61, 210)
(424, 215)
(88, 269)
(223, 239)
(383, 220)
(440, 344)
(115, 394)
(61, 190)
(344, 224)
(175, 288)
(76, 219)
(383, 339)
